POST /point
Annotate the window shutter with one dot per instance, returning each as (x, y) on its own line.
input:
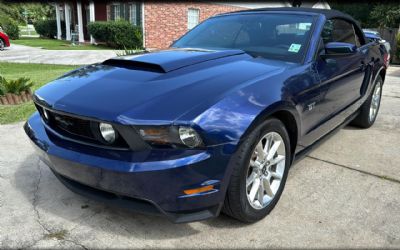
(108, 12)
(138, 14)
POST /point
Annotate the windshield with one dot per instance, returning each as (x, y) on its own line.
(273, 36)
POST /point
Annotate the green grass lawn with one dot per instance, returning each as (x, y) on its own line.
(54, 44)
(40, 74)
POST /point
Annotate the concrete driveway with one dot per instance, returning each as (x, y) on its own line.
(344, 194)
(26, 54)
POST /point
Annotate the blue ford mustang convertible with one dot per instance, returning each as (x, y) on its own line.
(213, 123)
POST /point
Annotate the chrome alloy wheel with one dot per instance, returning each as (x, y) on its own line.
(265, 171)
(375, 102)
(2, 45)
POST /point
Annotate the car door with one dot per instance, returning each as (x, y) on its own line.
(342, 76)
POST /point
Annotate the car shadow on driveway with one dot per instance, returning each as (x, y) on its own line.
(350, 127)
(59, 209)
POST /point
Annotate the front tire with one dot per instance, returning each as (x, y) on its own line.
(369, 110)
(260, 169)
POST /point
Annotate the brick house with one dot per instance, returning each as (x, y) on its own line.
(162, 22)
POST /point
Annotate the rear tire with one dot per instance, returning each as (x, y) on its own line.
(241, 202)
(369, 110)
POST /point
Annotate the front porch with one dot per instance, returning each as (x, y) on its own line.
(76, 15)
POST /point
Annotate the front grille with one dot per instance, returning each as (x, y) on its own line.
(77, 129)
(73, 126)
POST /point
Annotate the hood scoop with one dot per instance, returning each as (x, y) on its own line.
(136, 65)
(168, 60)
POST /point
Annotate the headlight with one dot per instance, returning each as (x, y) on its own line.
(107, 132)
(171, 136)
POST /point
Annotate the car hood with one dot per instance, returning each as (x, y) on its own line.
(156, 87)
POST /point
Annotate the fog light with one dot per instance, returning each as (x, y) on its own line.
(189, 137)
(107, 132)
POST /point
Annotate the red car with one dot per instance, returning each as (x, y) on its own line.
(4, 40)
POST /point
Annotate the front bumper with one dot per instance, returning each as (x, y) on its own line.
(148, 181)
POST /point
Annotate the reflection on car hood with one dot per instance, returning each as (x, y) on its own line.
(155, 87)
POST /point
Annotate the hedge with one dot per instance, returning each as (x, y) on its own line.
(10, 27)
(118, 34)
(48, 28)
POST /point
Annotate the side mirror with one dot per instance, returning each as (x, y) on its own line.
(335, 49)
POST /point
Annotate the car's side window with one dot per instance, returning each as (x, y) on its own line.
(338, 30)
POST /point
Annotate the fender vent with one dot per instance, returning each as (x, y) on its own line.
(136, 65)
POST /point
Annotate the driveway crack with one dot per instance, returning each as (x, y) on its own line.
(36, 200)
(76, 243)
(49, 232)
(388, 178)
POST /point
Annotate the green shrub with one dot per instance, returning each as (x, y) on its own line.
(99, 31)
(2, 88)
(119, 34)
(15, 86)
(128, 52)
(10, 27)
(48, 28)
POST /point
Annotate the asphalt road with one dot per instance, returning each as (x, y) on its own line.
(344, 194)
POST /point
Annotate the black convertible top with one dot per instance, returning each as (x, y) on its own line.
(328, 13)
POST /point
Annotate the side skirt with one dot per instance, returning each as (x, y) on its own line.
(304, 152)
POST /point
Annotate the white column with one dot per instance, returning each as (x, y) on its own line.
(58, 18)
(67, 22)
(92, 18)
(80, 22)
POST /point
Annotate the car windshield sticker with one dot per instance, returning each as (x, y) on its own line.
(294, 47)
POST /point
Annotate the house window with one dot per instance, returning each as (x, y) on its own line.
(129, 11)
(193, 18)
(115, 12)
(132, 14)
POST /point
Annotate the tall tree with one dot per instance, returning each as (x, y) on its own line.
(37, 11)
(373, 14)
(361, 11)
(9, 19)
(10, 11)
(386, 15)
